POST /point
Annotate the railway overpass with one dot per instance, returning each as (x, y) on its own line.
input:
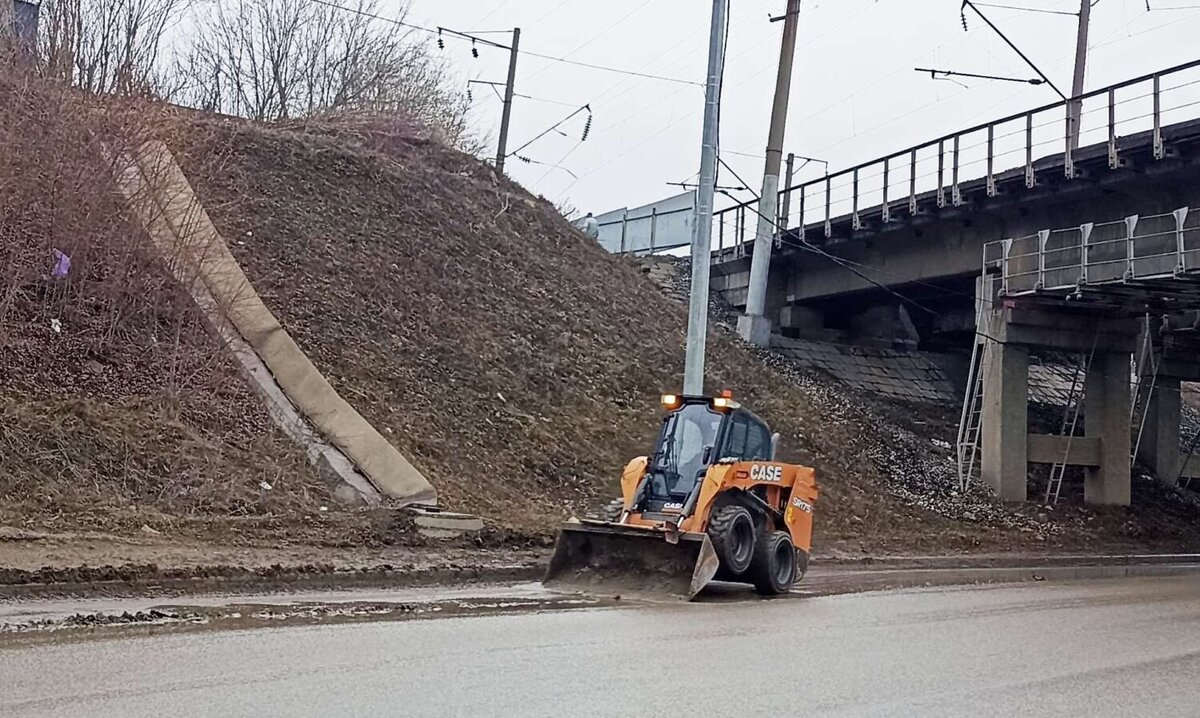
(891, 249)
(1009, 239)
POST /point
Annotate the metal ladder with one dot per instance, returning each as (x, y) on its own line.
(970, 422)
(1180, 481)
(1143, 391)
(1070, 421)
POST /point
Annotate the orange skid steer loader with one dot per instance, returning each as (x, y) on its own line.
(710, 503)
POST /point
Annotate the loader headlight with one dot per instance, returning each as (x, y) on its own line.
(722, 402)
(670, 402)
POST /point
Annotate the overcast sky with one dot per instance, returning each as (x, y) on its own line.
(855, 95)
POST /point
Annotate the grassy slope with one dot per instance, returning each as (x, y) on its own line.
(515, 363)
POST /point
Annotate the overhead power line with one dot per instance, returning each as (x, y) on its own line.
(530, 53)
(1028, 9)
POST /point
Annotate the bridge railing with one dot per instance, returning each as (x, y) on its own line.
(934, 172)
(1129, 251)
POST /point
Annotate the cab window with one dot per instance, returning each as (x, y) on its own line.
(747, 440)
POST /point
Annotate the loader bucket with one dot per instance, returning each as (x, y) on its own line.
(616, 559)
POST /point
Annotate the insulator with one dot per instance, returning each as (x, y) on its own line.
(587, 127)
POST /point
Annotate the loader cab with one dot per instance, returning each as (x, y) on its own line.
(698, 432)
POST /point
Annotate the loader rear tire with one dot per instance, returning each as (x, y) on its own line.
(732, 532)
(773, 570)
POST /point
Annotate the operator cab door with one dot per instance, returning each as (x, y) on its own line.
(747, 438)
(685, 449)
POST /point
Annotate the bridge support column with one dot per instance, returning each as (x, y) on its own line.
(755, 328)
(1160, 447)
(1005, 418)
(801, 320)
(1106, 417)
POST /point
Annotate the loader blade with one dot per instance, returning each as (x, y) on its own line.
(614, 559)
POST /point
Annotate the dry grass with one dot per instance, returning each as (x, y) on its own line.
(514, 362)
(113, 393)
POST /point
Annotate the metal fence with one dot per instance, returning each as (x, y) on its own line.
(658, 226)
(936, 171)
(1135, 249)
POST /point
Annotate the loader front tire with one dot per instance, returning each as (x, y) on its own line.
(731, 530)
(773, 570)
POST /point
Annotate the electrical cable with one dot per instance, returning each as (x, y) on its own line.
(552, 128)
(596, 36)
(530, 53)
(848, 266)
(1010, 43)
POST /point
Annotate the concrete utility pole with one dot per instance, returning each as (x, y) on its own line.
(502, 150)
(754, 326)
(1075, 111)
(693, 366)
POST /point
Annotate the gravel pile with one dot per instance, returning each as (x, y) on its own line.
(921, 469)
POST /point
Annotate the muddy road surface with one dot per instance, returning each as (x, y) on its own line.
(1107, 647)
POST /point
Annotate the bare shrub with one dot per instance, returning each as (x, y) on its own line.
(285, 59)
(107, 46)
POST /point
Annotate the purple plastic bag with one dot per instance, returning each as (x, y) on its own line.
(62, 264)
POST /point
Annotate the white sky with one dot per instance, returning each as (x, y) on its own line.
(855, 95)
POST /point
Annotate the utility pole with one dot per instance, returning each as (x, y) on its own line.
(1075, 109)
(502, 150)
(754, 326)
(693, 366)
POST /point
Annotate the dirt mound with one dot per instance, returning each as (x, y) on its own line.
(114, 396)
(515, 363)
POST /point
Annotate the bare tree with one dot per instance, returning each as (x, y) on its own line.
(284, 59)
(106, 46)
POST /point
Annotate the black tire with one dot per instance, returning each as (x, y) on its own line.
(774, 568)
(733, 536)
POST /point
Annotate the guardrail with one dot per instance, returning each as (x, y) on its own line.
(1135, 249)
(935, 171)
(630, 229)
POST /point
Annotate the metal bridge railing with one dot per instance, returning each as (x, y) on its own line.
(1136, 249)
(936, 171)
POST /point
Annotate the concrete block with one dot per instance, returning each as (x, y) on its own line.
(445, 524)
(801, 318)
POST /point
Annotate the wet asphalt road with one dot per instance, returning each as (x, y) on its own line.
(1122, 647)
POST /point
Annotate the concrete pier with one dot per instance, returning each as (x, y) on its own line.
(1104, 447)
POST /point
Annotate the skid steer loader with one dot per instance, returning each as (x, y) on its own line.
(710, 503)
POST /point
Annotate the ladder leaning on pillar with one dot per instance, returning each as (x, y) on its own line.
(1070, 422)
(969, 424)
(1139, 408)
